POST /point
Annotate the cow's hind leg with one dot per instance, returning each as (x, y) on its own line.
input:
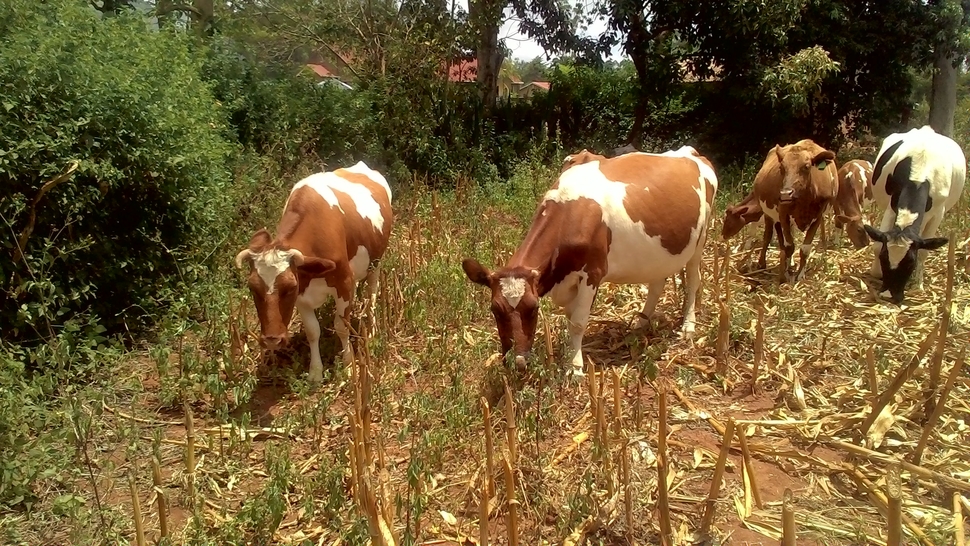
(341, 325)
(693, 282)
(312, 328)
(770, 226)
(930, 228)
(654, 291)
(577, 314)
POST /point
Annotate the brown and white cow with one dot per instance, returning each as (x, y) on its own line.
(796, 182)
(854, 192)
(334, 229)
(634, 219)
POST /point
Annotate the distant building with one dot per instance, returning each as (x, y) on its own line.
(328, 75)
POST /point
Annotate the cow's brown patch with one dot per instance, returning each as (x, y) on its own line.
(661, 194)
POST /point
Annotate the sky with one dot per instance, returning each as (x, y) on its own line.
(522, 46)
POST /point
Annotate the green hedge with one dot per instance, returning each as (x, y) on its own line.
(128, 107)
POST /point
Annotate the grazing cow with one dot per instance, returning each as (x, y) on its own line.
(334, 230)
(634, 219)
(919, 175)
(854, 191)
(798, 181)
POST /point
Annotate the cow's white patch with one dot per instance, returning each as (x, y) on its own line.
(885, 294)
(271, 264)
(325, 184)
(361, 168)
(633, 256)
(905, 218)
(359, 263)
(513, 288)
(769, 211)
(897, 251)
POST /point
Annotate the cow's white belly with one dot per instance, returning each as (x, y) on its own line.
(635, 258)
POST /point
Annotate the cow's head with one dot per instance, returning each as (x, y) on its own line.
(515, 305)
(276, 277)
(738, 216)
(898, 257)
(796, 162)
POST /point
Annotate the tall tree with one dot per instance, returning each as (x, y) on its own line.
(951, 41)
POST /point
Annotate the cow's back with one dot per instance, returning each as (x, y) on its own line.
(655, 207)
(347, 216)
(930, 156)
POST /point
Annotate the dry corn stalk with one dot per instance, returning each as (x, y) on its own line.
(748, 469)
(937, 362)
(489, 450)
(787, 519)
(513, 518)
(894, 492)
(711, 505)
(160, 496)
(958, 520)
(663, 503)
(901, 378)
(136, 510)
(190, 452)
(510, 427)
(938, 407)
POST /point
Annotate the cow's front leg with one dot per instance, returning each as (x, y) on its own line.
(788, 247)
(805, 252)
(888, 220)
(312, 328)
(577, 314)
(654, 291)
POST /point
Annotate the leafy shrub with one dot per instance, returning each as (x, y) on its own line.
(126, 106)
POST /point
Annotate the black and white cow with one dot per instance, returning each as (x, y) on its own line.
(919, 175)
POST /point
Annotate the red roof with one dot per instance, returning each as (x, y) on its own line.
(320, 70)
(541, 85)
(463, 71)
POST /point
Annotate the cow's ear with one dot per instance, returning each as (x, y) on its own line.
(476, 272)
(932, 243)
(875, 234)
(260, 240)
(821, 159)
(778, 153)
(313, 267)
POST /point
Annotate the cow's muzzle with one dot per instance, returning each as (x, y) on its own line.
(787, 196)
(273, 342)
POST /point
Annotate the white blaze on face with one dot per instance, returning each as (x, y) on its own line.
(271, 264)
(905, 218)
(513, 288)
(897, 251)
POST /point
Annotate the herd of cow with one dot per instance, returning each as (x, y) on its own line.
(636, 218)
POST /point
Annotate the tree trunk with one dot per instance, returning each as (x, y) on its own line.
(943, 97)
(202, 16)
(486, 18)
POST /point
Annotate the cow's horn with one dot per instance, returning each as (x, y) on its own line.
(244, 255)
(296, 257)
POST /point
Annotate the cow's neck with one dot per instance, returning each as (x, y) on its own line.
(538, 249)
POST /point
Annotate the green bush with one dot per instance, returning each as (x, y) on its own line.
(125, 105)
